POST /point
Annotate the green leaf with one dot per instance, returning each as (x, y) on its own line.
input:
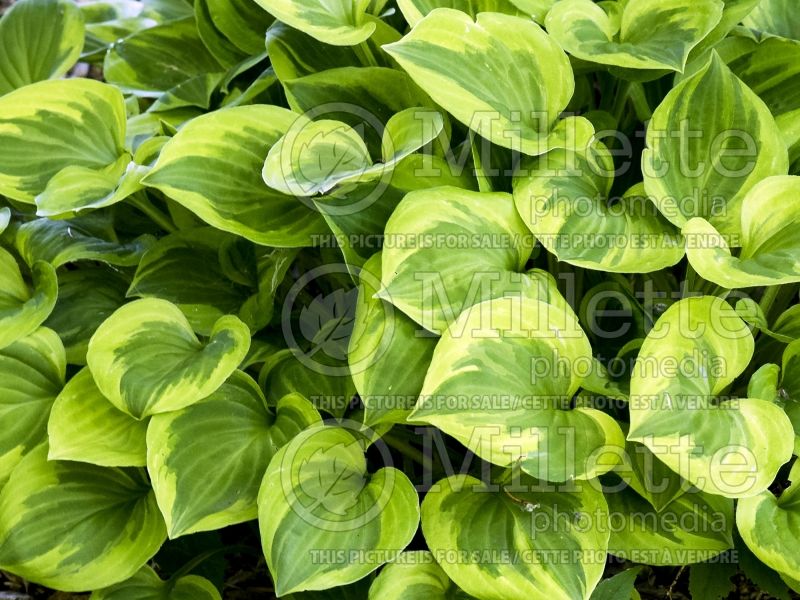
(649, 477)
(318, 498)
(22, 309)
(388, 357)
(790, 386)
(146, 360)
(56, 125)
(433, 281)
(619, 586)
(448, 54)
(32, 372)
(84, 426)
(463, 520)
(316, 156)
(693, 528)
(709, 142)
(764, 383)
(243, 22)
(39, 39)
(86, 297)
(147, 585)
(75, 526)
(414, 575)
(158, 59)
(207, 461)
(775, 17)
(711, 581)
(339, 23)
(770, 240)
(769, 526)
(414, 10)
(728, 446)
(234, 141)
(564, 198)
(63, 242)
(501, 381)
(647, 34)
(184, 268)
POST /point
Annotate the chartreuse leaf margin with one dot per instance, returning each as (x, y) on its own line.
(450, 299)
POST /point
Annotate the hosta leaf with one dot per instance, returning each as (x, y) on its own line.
(22, 310)
(498, 384)
(55, 125)
(770, 241)
(414, 10)
(84, 426)
(729, 446)
(463, 520)
(448, 54)
(649, 477)
(184, 268)
(243, 22)
(317, 497)
(86, 297)
(339, 23)
(770, 526)
(414, 576)
(62, 242)
(649, 34)
(316, 156)
(146, 360)
(220, 47)
(776, 17)
(207, 461)
(388, 354)
(618, 587)
(147, 585)
(32, 372)
(732, 14)
(790, 384)
(564, 198)
(709, 142)
(294, 54)
(5, 218)
(74, 526)
(234, 141)
(156, 60)
(39, 39)
(432, 282)
(692, 528)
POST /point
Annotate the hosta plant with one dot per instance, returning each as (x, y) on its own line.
(400, 299)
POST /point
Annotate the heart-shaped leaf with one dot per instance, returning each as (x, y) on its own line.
(147, 585)
(146, 359)
(501, 381)
(39, 39)
(22, 310)
(727, 446)
(32, 372)
(770, 241)
(207, 461)
(318, 498)
(452, 248)
(464, 520)
(645, 34)
(56, 125)
(234, 141)
(769, 526)
(448, 54)
(74, 526)
(564, 198)
(84, 426)
(339, 23)
(709, 142)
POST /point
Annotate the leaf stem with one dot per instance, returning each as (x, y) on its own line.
(768, 299)
(366, 55)
(640, 104)
(155, 215)
(407, 450)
